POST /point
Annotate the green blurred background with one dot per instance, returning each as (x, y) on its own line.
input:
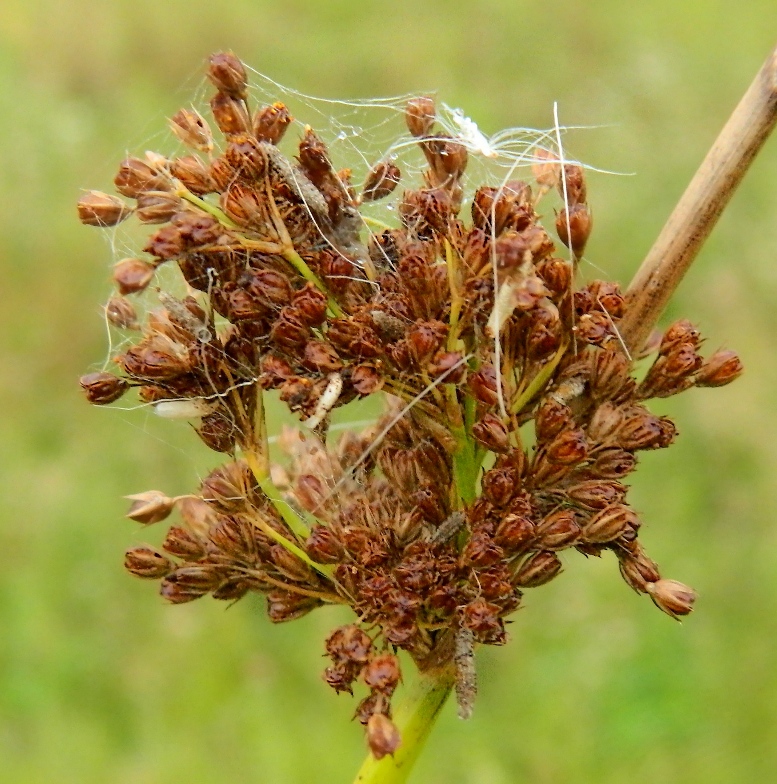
(101, 682)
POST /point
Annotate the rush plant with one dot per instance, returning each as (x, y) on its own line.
(516, 394)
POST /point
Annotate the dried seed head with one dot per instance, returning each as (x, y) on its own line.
(183, 544)
(149, 507)
(192, 129)
(228, 74)
(103, 388)
(382, 735)
(147, 562)
(99, 209)
(420, 115)
(132, 275)
(610, 523)
(672, 597)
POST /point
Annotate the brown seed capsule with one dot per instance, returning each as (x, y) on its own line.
(515, 532)
(491, 433)
(227, 486)
(157, 206)
(552, 418)
(230, 114)
(323, 546)
(638, 570)
(482, 384)
(672, 597)
(194, 175)
(605, 422)
(538, 569)
(381, 181)
(175, 593)
(246, 157)
(382, 673)
(132, 275)
(546, 168)
(349, 644)
(499, 485)
(568, 447)
(192, 129)
(103, 388)
(420, 115)
(121, 313)
(147, 562)
(197, 514)
(596, 494)
(283, 606)
(481, 550)
(610, 523)
(310, 304)
(382, 735)
(99, 209)
(183, 543)
(228, 74)
(321, 356)
(218, 431)
(482, 618)
(681, 331)
(149, 507)
(366, 379)
(270, 123)
(558, 530)
(575, 229)
(135, 176)
(721, 368)
(575, 184)
(612, 464)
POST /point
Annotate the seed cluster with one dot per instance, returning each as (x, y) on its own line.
(514, 412)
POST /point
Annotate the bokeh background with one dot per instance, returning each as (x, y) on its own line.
(101, 682)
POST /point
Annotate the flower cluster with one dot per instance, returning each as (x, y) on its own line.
(514, 414)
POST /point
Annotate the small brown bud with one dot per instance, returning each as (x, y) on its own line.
(218, 431)
(382, 673)
(228, 74)
(491, 433)
(121, 313)
(228, 485)
(270, 123)
(613, 521)
(681, 331)
(420, 115)
(288, 564)
(349, 644)
(481, 550)
(574, 230)
(147, 562)
(103, 388)
(605, 422)
(482, 618)
(321, 356)
(157, 206)
(177, 592)
(132, 275)
(721, 368)
(99, 209)
(381, 181)
(638, 570)
(197, 514)
(382, 735)
(538, 569)
(283, 606)
(672, 597)
(230, 114)
(499, 485)
(575, 184)
(613, 464)
(149, 507)
(556, 274)
(192, 129)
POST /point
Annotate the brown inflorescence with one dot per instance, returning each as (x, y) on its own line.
(514, 419)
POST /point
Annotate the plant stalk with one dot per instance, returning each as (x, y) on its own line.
(415, 718)
(701, 205)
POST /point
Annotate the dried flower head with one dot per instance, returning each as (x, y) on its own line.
(474, 327)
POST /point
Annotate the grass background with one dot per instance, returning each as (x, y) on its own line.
(101, 682)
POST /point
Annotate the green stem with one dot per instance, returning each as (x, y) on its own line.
(414, 718)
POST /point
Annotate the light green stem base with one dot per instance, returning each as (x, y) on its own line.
(415, 718)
